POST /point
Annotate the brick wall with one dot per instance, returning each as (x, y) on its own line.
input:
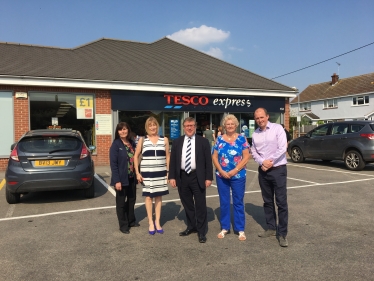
(22, 123)
(3, 164)
(103, 143)
(287, 114)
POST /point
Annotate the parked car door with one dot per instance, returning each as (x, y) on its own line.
(335, 143)
(314, 143)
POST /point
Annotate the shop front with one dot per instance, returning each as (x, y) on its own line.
(170, 109)
(61, 110)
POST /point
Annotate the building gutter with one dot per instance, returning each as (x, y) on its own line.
(135, 86)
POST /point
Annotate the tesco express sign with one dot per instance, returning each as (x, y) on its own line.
(204, 100)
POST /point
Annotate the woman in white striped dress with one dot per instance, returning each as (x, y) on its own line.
(154, 167)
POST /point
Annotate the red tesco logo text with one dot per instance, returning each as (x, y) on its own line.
(186, 100)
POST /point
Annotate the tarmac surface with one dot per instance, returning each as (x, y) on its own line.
(63, 236)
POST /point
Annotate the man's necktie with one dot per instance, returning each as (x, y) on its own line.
(187, 167)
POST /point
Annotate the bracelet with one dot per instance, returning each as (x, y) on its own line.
(237, 169)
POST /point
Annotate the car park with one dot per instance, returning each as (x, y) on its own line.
(47, 160)
(350, 141)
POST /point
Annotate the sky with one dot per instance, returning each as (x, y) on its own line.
(270, 38)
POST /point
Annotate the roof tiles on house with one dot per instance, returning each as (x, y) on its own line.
(162, 62)
(344, 87)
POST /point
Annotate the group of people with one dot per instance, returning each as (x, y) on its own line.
(189, 169)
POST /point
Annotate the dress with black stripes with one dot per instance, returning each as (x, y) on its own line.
(153, 168)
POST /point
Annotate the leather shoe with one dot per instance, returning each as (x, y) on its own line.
(202, 238)
(125, 231)
(135, 224)
(187, 232)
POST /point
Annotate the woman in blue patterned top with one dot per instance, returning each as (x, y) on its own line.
(230, 156)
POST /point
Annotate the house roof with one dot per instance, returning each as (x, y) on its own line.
(162, 62)
(344, 87)
(311, 116)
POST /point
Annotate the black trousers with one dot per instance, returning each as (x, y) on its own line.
(125, 205)
(193, 199)
(274, 183)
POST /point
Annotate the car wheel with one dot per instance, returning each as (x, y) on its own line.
(12, 198)
(353, 161)
(90, 192)
(297, 155)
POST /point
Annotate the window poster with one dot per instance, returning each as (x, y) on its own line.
(174, 129)
(103, 124)
(84, 105)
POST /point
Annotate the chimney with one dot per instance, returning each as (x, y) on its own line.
(334, 78)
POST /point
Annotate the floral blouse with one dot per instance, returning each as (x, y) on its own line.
(130, 159)
(230, 154)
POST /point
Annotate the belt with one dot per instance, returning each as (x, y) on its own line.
(277, 167)
(192, 171)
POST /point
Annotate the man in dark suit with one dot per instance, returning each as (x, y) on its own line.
(191, 170)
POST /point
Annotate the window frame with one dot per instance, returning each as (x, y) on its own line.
(364, 98)
(305, 106)
(330, 103)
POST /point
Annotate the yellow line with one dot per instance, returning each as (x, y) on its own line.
(2, 183)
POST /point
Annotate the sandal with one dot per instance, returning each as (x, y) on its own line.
(242, 236)
(223, 233)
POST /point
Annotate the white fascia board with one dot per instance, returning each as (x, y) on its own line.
(114, 85)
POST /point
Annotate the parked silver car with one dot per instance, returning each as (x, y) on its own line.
(49, 160)
(350, 141)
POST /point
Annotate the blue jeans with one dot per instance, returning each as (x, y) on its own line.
(237, 187)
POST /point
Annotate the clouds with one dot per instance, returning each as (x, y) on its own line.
(215, 52)
(200, 36)
(207, 39)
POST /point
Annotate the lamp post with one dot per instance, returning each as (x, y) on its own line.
(298, 118)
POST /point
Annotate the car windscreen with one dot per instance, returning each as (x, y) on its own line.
(49, 144)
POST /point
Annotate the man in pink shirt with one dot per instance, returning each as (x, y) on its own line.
(269, 146)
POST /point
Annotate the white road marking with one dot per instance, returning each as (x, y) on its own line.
(10, 211)
(302, 180)
(165, 201)
(110, 189)
(330, 170)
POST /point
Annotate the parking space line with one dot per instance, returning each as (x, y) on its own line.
(325, 170)
(302, 180)
(166, 201)
(110, 189)
(2, 183)
(10, 211)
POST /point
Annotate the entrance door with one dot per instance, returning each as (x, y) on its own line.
(202, 120)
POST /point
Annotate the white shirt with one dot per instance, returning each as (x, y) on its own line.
(184, 150)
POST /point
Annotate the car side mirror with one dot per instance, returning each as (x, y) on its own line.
(92, 147)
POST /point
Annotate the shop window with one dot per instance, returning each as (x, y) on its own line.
(7, 128)
(63, 111)
(136, 121)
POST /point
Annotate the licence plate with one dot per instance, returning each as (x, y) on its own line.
(48, 163)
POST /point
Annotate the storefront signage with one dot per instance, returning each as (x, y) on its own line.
(175, 131)
(21, 95)
(84, 105)
(232, 102)
(103, 124)
(186, 100)
(152, 101)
